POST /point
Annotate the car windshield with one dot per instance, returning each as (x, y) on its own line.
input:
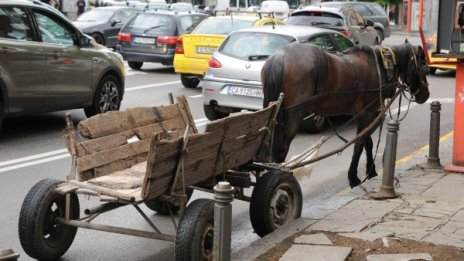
(318, 19)
(222, 26)
(151, 22)
(253, 45)
(95, 15)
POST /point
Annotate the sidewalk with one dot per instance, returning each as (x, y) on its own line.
(429, 209)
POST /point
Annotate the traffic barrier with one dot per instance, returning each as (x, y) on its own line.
(433, 159)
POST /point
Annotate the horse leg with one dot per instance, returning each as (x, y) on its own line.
(353, 170)
(370, 166)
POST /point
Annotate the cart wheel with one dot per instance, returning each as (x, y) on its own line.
(275, 201)
(162, 207)
(195, 234)
(40, 237)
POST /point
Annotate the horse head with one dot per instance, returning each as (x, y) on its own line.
(414, 71)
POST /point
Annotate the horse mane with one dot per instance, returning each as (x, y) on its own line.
(403, 54)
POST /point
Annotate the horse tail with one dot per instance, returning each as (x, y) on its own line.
(271, 77)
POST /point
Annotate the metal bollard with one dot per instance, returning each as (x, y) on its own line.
(8, 255)
(387, 189)
(223, 195)
(433, 160)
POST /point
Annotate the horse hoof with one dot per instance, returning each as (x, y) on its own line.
(355, 182)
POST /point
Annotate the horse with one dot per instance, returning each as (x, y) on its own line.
(355, 83)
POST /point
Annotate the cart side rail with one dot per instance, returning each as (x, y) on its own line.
(117, 140)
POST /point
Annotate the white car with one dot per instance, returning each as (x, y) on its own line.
(233, 81)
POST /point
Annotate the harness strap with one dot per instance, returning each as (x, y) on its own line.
(323, 74)
(354, 68)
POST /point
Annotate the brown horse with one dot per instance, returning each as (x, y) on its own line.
(354, 83)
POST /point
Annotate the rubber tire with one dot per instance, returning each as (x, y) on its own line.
(99, 38)
(162, 207)
(34, 210)
(189, 82)
(213, 114)
(380, 34)
(432, 70)
(261, 210)
(2, 113)
(314, 124)
(111, 98)
(135, 65)
(195, 231)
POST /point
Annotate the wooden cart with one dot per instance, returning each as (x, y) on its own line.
(155, 156)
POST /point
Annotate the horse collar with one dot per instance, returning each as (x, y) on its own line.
(388, 61)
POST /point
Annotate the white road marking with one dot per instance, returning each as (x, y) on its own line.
(196, 96)
(151, 86)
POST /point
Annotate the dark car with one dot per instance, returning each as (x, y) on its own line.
(345, 20)
(47, 64)
(104, 23)
(152, 36)
(369, 11)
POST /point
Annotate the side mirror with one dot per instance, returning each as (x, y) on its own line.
(369, 23)
(83, 40)
(115, 22)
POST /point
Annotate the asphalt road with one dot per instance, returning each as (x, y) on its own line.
(31, 149)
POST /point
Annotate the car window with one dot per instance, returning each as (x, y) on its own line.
(153, 21)
(222, 26)
(363, 10)
(188, 23)
(342, 42)
(324, 41)
(318, 19)
(125, 15)
(14, 24)
(378, 10)
(95, 15)
(53, 30)
(253, 45)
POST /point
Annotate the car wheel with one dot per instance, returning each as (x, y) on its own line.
(380, 34)
(432, 71)
(107, 97)
(135, 65)
(98, 38)
(189, 82)
(213, 114)
(2, 113)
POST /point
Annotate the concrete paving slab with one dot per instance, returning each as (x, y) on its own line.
(459, 216)
(342, 225)
(400, 257)
(313, 239)
(451, 234)
(316, 253)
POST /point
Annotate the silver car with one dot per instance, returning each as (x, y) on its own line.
(233, 82)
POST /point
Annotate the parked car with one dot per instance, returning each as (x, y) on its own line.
(345, 20)
(194, 50)
(233, 80)
(152, 36)
(369, 11)
(152, 6)
(47, 64)
(104, 23)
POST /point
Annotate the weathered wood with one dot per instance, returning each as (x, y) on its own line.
(124, 179)
(103, 143)
(186, 114)
(119, 165)
(104, 191)
(105, 157)
(65, 188)
(104, 124)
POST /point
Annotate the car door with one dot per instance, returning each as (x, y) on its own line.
(359, 31)
(68, 67)
(22, 63)
(116, 23)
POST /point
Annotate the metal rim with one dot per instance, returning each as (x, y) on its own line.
(282, 207)
(207, 238)
(52, 232)
(109, 97)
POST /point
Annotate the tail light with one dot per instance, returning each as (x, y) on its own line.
(388, 22)
(179, 46)
(166, 40)
(213, 63)
(346, 33)
(124, 37)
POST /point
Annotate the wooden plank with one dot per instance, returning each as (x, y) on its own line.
(186, 114)
(105, 157)
(146, 132)
(103, 143)
(124, 179)
(246, 123)
(120, 165)
(104, 191)
(168, 112)
(141, 116)
(104, 124)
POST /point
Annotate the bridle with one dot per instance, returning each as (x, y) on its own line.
(403, 78)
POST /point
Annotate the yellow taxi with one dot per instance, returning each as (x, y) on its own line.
(194, 50)
(441, 64)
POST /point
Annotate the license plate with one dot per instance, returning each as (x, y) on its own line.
(243, 91)
(144, 40)
(206, 50)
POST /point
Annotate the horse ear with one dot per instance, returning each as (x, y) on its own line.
(406, 41)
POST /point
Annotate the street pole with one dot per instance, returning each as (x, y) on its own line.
(433, 159)
(223, 195)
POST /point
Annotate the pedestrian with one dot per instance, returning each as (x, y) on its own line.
(80, 7)
(97, 3)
